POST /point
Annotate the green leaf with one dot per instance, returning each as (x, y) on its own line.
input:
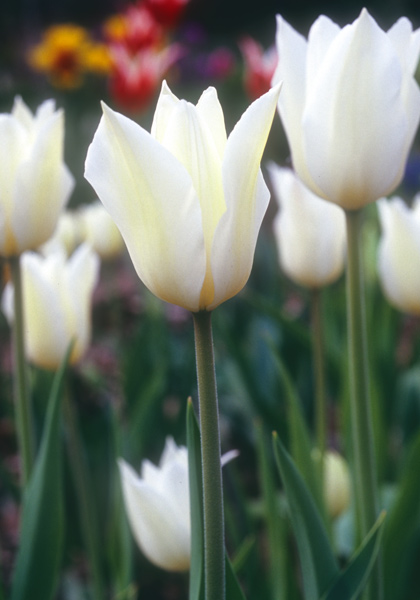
(196, 506)
(300, 442)
(233, 589)
(275, 528)
(352, 580)
(42, 531)
(402, 521)
(319, 567)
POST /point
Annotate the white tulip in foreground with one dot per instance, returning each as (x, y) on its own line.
(188, 200)
(310, 232)
(35, 184)
(350, 105)
(399, 253)
(57, 296)
(158, 506)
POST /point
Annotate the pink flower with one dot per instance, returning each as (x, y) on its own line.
(259, 66)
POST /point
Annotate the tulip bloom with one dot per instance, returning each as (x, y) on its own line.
(97, 228)
(35, 184)
(399, 253)
(188, 202)
(158, 507)
(57, 299)
(350, 105)
(310, 233)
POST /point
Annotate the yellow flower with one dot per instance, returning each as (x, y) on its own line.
(66, 52)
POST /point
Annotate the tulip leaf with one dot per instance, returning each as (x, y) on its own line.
(233, 589)
(196, 505)
(318, 564)
(399, 524)
(42, 530)
(300, 442)
(351, 581)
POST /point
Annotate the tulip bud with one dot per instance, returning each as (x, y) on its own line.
(158, 507)
(350, 105)
(188, 201)
(399, 253)
(99, 230)
(57, 297)
(35, 184)
(66, 235)
(310, 233)
(336, 484)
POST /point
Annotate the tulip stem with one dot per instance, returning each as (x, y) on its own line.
(24, 417)
(214, 544)
(365, 477)
(319, 374)
(83, 489)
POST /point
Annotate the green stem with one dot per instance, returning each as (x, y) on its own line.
(83, 489)
(214, 545)
(319, 373)
(24, 417)
(365, 479)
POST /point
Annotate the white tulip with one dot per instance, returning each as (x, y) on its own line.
(399, 253)
(158, 507)
(350, 105)
(337, 485)
(35, 184)
(188, 200)
(57, 296)
(310, 233)
(98, 229)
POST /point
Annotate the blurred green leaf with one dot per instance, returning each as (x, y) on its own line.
(319, 567)
(274, 524)
(300, 442)
(401, 522)
(351, 581)
(42, 531)
(233, 589)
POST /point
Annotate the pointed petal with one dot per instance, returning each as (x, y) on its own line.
(153, 523)
(354, 120)
(210, 111)
(246, 197)
(150, 196)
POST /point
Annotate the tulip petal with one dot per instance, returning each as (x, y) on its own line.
(399, 255)
(165, 106)
(13, 146)
(291, 68)
(354, 120)
(246, 197)
(44, 183)
(154, 524)
(210, 111)
(46, 337)
(321, 36)
(150, 196)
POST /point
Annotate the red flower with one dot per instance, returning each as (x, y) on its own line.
(259, 67)
(136, 78)
(167, 12)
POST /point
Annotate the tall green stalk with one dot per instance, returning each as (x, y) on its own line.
(214, 544)
(317, 335)
(365, 477)
(83, 490)
(23, 407)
